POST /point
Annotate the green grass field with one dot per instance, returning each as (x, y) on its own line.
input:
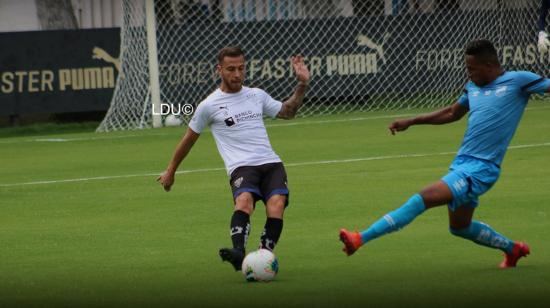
(83, 222)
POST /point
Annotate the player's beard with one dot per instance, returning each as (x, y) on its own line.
(234, 86)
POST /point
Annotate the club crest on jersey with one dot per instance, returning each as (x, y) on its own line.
(229, 121)
(237, 183)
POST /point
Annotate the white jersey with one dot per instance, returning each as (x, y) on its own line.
(236, 121)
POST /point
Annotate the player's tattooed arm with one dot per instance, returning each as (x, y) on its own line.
(290, 107)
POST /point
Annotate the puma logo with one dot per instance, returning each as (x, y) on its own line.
(363, 40)
(100, 54)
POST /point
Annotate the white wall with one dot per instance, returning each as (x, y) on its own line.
(98, 13)
(240, 10)
(491, 4)
(20, 15)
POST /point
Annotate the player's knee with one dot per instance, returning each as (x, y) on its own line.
(436, 194)
(245, 207)
(244, 202)
(460, 232)
(276, 206)
(277, 201)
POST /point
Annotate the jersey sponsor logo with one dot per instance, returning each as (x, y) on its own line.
(487, 92)
(501, 91)
(229, 121)
(475, 94)
(247, 116)
(243, 114)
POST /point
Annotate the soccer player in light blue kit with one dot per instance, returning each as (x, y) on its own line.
(496, 100)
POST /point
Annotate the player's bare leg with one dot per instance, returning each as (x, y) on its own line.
(461, 217)
(433, 195)
(245, 202)
(436, 194)
(275, 208)
(240, 228)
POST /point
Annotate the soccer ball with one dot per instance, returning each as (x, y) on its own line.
(260, 265)
(172, 120)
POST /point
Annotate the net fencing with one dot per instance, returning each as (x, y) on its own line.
(363, 55)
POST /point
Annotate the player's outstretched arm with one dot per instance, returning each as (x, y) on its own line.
(446, 115)
(166, 179)
(290, 107)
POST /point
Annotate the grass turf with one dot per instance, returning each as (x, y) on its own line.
(112, 237)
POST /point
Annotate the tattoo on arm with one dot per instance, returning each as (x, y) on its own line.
(290, 107)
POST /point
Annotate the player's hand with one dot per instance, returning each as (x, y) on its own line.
(399, 126)
(300, 69)
(166, 179)
(543, 43)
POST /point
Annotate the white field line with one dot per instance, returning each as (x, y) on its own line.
(45, 139)
(319, 162)
(298, 123)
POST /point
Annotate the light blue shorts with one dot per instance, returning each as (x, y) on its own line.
(469, 178)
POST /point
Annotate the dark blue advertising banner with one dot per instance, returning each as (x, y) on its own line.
(347, 56)
(58, 71)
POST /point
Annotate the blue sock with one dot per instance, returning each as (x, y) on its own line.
(395, 220)
(482, 234)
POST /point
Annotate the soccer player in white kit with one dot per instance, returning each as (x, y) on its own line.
(235, 114)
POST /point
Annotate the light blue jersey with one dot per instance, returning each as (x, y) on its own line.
(495, 111)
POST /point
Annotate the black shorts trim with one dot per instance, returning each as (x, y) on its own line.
(263, 181)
